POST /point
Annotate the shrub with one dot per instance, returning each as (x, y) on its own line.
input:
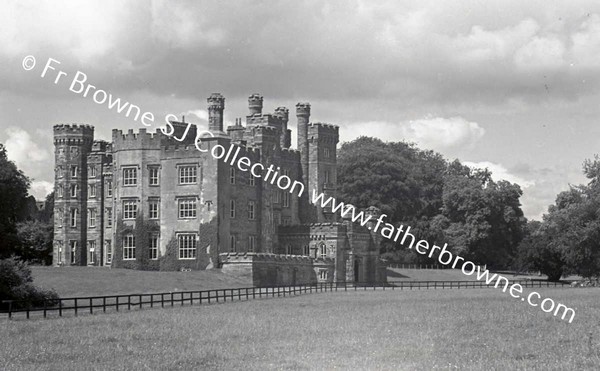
(16, 283)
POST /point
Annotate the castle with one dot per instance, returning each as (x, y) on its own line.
(162, 202)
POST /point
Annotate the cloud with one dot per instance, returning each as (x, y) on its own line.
(40, 189)
(499, 172)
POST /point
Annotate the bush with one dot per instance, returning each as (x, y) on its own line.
(16, 283)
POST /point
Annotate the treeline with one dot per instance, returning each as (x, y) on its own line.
(26, 232)
(443, 201)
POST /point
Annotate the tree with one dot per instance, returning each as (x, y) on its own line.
(35, 241)
(14, 186)
(16, 283)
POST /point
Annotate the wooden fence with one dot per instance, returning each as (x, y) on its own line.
(95, 304)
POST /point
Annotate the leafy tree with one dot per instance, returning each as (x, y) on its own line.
(16, 283)
(13, 202)
(35, 238)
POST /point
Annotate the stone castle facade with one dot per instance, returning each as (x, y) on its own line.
(156, 202)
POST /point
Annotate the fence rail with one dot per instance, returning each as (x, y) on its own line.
(95, 304)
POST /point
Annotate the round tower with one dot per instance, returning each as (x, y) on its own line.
(303, 117)
(72, 144)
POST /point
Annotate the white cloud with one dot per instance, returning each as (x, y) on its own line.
(40, 189)
(21, 149)
(499, 172)
(541, 52)
(199, 113)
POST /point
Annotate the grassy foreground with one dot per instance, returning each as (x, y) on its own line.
(408, 330)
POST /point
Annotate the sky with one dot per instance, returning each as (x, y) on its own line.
(513, 86)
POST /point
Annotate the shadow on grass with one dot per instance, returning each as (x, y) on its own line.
(394, 274)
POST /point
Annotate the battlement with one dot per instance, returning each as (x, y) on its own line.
(100, 146)
(216, 101)
(303, 109)
(265, 119)
(282, 112)
(251, 257)
(323, 127)
(80, 129)
(139, 140)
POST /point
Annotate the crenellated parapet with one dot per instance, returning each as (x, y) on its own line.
(323, 133)
(73, 134)
(136, 141)
(250, 257)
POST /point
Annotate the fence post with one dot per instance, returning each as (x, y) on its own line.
(91, 306)
(104, 304)
(117, 304)
(75, 307)
(44, 308)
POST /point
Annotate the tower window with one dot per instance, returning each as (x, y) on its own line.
(109, 219)
(73, 171)
(187, 245)
(92, 172)
(288, 249)
(323, 250)
(326, 176)
(129, 247)
(59, 191)
(251, 206)
(232, 175)
(73, 251)
(108, 248)
(232, 244)
(305, 250)
(187, 208)
(232, 209)
(286, 199)
(92, 191)
(252, 180)
(92, 218)
(74, 213)
(251, 243)
(108, 188)
(188, 174)
(60, 171)
(59, 217)
(73, 190)
(130, 176)
(326, 153)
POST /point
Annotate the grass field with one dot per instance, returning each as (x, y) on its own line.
(407, 330)
(90, 281)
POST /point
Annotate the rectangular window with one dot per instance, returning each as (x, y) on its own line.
(326, 176)
(305, 250)
(276, 196)
(108, 189)
(232, 209)
(73, 190)
(74, 213)
(60, 171)
(59, 217)
(252, 180)
(187, 208)
(129, 247)
(108, 248)
(153, 246)
(323, 251)
(232, 244)
(232, 175)
(109, 218)
(153, 209)
(323, 274)
(129, 209)
(129, 176)
(251, 243)
(59, 257)
(188, 174)
(187, 245)
(92, 191)
(326, 152)
(277, 218)
(153, 179)
(288, 249)
(92, 218)
(73, 246)
(286, 199)
(59, 191)
(92, 252)
(251, 210)
(73, 171)
(92, 171)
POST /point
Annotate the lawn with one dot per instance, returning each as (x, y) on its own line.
(406, 330)
(90, 281)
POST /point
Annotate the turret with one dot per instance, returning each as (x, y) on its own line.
(286, 134)
(216, 105)
(255, 104)
(303, 117)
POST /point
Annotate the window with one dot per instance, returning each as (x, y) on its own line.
(92, 252)
(74, 213)
(187, 208)
(288, 249)
(187, 245)
(326, 152)
(323, 274)
(286, 199)
(305, 250)
(153, 246)
(108, 248)
(92, 218)
(277, 218)
(153, 209)
(188, 174)
(74, 150)
(287, 220)
(232, 175)
(153, 179)
(108, 188)
(92, 191)
(73, 171)
(60, 171)
(59, 191)
(109, 219)
(129, 209)
(59, 244)
(59, 218)
(92, 171)
(326, 176)
(232, 243)
(251, 243)
(232, 209)
(73, 190)
(323, 250)
(251, 210)
(276, 196)
(252, 180)
(130, 176)
(129, 247)
(73, 246)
